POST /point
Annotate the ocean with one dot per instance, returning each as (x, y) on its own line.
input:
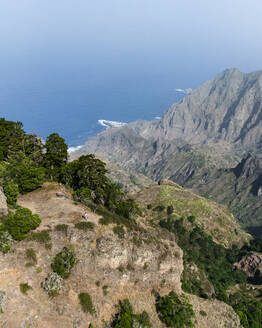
(72, 105)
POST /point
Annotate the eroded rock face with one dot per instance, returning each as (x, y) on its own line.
(3, 204)
(249, 264)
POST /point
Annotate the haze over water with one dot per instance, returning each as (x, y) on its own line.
(66, 64)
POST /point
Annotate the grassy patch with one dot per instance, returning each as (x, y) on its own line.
(83, 225)
(86, 303)
(62, 227)
(30, 255)
(119, 231)
(42, 236)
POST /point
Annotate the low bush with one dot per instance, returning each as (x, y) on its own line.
(18, 224)
(24, 288)
(86, 303)
(64, 262)
(174, 311)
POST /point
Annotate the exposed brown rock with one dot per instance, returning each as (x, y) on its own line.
(249, 263)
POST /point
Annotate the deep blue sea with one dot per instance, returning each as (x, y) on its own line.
(72, 104)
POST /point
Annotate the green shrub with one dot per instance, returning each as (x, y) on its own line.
(86, 303)
(11, 191)
(64, 262)
(125, 318)
(5, 241)
(83, 225)
(31, 255)
(119, 231)
(203, 313)
(24, 288)
(18, 224)
(174, 311)
(62, 227)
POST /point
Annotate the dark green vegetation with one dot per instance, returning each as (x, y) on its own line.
(175, 311)
(125, 318)
(248, 306)
(64, 262)
(11, 191)
(24, 288)
(217, 264)
(56, 155)
(86, 303)
(87, 177)
(26, 163)
(18, 224)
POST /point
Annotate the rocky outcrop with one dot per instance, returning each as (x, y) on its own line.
(109, 268)
(249, 264)
(3, 204)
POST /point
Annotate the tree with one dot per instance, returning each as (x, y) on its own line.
(87, 171)
(56, 155)
(24, 172)
(11, 136)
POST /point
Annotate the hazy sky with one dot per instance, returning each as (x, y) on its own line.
(62, 55)
(185, 36)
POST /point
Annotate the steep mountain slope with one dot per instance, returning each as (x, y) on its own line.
(110, 267)
(210, 129)
(228, 108)
(214, 219)
(239, 188)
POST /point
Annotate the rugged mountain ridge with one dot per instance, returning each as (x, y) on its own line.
(227, 108)
(209, 130)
